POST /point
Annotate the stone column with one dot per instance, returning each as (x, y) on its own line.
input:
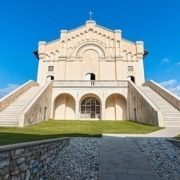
(77, 111)
(103, 108)
(41, 79)
(140, 53)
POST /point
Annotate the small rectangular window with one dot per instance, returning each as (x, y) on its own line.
(130, 68)
(50, 68)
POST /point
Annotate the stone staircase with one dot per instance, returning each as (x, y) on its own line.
(171, 116)
(10, 116)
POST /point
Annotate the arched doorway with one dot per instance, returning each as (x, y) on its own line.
(64, 107)
(90, 108)
(115, 107)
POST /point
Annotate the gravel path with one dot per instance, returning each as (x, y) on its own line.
(163, 155)
(78, 161)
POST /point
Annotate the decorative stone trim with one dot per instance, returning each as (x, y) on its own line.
(29, 160)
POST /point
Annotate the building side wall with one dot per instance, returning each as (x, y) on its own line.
(140, 109)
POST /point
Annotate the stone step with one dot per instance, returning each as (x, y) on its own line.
(172, 123)
(165, 115)
(10, 116)
(9, 119)
(171, 116)
(9, 124)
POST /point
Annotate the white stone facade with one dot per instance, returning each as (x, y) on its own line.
(89, 62)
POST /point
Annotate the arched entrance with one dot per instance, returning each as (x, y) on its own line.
(64, 107)
(90, 108)
(115, 107)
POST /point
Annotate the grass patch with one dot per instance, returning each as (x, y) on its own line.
(178, 137)
(54, 129)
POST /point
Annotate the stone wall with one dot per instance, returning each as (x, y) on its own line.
(140, 109)
(29, 160)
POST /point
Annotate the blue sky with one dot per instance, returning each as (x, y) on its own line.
(25, 22)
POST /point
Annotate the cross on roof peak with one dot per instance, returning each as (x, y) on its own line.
(90, 15)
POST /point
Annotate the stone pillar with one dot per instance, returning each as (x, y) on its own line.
(41, 79)
(117, 35)
(77, 111)
(140, 54)
(64, 43)
(103, 109)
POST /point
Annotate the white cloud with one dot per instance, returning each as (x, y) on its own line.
(172, 85)
(165, 61)
(5, 90)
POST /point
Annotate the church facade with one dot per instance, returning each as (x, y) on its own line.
(90, 73)
(90, 66)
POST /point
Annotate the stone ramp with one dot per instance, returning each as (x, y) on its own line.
(10, 116)
(121, 158)
(171, 116)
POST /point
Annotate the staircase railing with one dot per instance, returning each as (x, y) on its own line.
(12, 96)
(170, 97)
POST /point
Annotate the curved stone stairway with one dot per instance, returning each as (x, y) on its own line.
(10, 116)
(171, 116)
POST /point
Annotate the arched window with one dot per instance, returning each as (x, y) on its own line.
(90, 108)
(90, 76)
(131, 78)
(50, 78)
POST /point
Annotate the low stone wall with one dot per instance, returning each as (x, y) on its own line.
(140, 109)
(29, 160)
(170, 97)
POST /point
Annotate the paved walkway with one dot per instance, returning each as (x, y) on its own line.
(168, 132)
(121, 159)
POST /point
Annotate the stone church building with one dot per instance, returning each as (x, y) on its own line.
(90, 73)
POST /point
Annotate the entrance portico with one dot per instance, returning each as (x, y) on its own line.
(84, 100)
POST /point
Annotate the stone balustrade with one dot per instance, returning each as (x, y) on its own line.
(10, 98)
(29, 160)
(90, 83)
(171, 98)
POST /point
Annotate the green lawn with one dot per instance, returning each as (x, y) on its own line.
(178, 137)
(53, 129)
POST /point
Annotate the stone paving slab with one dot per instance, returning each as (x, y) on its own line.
(121, 159)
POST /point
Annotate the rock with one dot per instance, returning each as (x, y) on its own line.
(4, 163)
(163, 156)
(4, 155)
(78, 161)
(27, 177)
